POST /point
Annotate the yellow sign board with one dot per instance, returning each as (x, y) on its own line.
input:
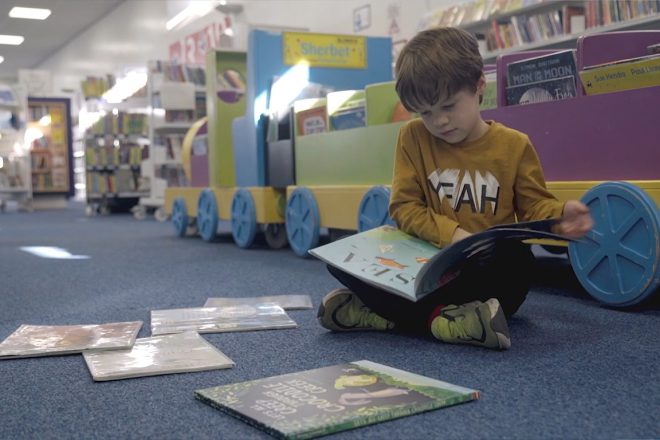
(325, 50)
(626, 75)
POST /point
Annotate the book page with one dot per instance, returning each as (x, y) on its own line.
(384, 257)
(287, 302)
(176, 353)
(46, 340)
(446, 264)
(220, 319)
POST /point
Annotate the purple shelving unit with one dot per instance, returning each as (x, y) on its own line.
(614, 136)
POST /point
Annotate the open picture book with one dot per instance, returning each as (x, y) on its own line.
(322, 401)
(404, 265)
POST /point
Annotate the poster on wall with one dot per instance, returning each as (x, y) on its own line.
(362, 18)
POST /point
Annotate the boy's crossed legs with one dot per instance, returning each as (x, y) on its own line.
(471, 309)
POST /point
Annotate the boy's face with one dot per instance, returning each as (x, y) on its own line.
(456, 118)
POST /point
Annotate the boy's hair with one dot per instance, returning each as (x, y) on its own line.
(436, 64)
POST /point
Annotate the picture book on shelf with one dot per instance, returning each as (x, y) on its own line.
(287, 302)
(542, 91)
(177, 353)
(49, 340)
(326, 400)
(220, 319)
(542, 68)
(404, 265)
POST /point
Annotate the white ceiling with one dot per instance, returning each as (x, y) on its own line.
(43, 38)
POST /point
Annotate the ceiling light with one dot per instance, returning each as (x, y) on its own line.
(29, 13)
(14, 40)
(2, 59)
(193, 10)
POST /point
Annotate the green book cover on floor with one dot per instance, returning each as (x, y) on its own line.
(322, 401)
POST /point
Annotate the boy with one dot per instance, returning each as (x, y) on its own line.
(455, 174)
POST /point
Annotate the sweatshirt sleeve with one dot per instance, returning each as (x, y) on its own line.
(532, 199)
(408, 204)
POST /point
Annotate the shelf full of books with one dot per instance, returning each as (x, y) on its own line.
(114, 150)
(503, 26)
(50, 136)
(15, 162)
(177, 95)
(587, 109)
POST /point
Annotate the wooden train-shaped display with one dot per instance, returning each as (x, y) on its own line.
(290, 148)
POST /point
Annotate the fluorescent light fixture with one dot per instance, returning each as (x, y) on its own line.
(125, 87)
(13, 40)
(2, 162)
(195, 9)
(2, 59)
(29, 13)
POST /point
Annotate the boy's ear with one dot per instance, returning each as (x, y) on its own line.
(481, 84)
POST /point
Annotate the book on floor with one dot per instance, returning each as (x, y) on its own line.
(326, 400)
(176, 353)
(220, 319)
(49, 340)
(404, 265)
(287, 302)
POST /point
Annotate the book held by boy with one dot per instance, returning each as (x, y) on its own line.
(176, 353)
(220, 319)
(404, 265)
(326, 400)
(49, 340)
(287, 302)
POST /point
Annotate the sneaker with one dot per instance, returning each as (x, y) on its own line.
(342, 310)
(475, 323)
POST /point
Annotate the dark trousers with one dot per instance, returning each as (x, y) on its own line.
(503, 274)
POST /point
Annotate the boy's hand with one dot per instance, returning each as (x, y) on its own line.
(459, 234)
(576, 221)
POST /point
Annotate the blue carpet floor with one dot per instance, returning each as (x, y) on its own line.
(576, 369)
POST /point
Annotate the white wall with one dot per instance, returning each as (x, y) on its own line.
(134, 32)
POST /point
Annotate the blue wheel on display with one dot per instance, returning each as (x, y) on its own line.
(243, 218)
(303, 223)
(617, 262)
(373, 209)
(207, 215)
(180, 217)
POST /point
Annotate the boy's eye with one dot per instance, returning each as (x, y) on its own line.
(425, 113)
(448, 107)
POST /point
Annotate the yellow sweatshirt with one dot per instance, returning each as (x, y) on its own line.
(493, 180)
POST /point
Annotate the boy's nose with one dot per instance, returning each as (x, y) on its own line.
(441, 120)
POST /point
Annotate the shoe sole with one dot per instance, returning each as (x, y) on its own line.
(342, 297)
(497, 315)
